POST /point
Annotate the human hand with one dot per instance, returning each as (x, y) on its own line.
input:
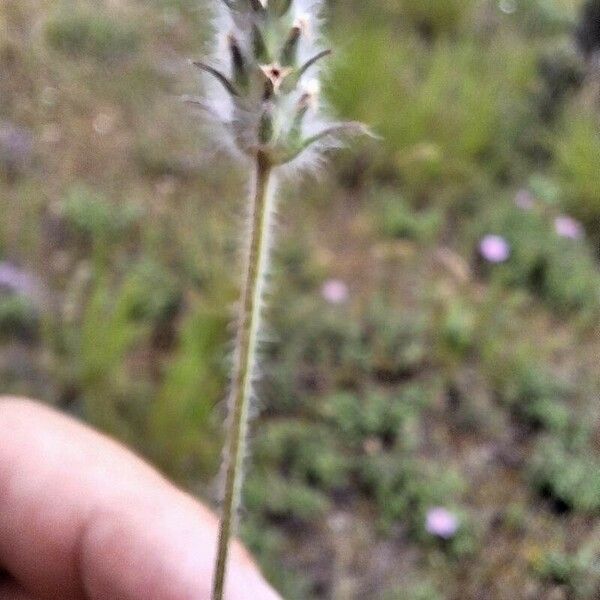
(82, 518)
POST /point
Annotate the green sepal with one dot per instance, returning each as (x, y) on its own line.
(265, 127)
(295, 134)
(311, 61)
(295, 149)
(289, 52)
(240, 72)
(292, 81)
(223, 80)
(351, 128)
(261, 53)
(279, 7)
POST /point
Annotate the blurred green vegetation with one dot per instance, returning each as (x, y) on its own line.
(85, 32)
(436, 376)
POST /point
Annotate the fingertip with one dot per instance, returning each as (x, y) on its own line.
(245, 583)
(124, 530)
(16, 404)
(12, 591)
(164, 549)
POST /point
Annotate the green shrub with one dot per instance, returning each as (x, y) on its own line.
(537, 397)
(92, 348)
(455, 330)
(587, 28)
(323, 348)
(562, 72)
(561, 271)
(543, 17)
(432, 18)
(404, 489)
(184, 437)
(326, 347)
(388, 419)
(18, 318)
(578, 166)
(568, 474)
(394, 341)
(81, 32)
(91, 215)
(429, 18)
(156, 295)
(424, 590)
(579, 573)
(441, 133)
(278, 497)
(302, 451)
(545, 188)
(396, 219)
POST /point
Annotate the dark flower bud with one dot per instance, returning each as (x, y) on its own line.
(258, 5)
(279, 7)
(289, 53)
(240, 72)
(261, 54)
(265, 127)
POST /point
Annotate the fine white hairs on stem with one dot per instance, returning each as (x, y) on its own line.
(265, 98)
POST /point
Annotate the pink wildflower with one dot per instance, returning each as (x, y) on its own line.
(441, 523)
(568, 227)
(335, 291)
(494, 249)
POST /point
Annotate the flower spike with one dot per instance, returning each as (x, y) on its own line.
(267, 105)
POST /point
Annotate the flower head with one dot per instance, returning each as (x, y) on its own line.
(16, 281)
(441, 523)
(568, 227)
(335, 291)
(494, 249)
(265, 70)
(16, 147)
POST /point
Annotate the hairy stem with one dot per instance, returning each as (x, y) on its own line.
(255, 269)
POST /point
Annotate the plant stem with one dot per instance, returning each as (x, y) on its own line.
(255, 269)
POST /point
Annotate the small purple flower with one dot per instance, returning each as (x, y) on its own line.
(568, 227)
(441, 522)
(494, 249)
(525, 200)
(335, 291)
(16, 281)
(16, 146)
